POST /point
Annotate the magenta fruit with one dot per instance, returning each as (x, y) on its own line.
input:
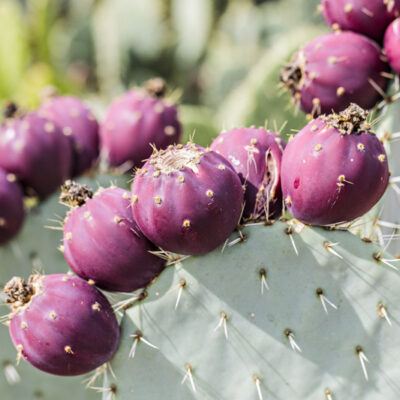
(135, 121)
(392, 45)
(11, 207)
(368, 17)
(102, 241)
(186, 199)
(35, 150)
(78, 123)
(61, 324)
(334, 170)
(334, 70)
(256, 155)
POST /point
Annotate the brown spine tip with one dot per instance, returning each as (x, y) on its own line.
(156, 87)
(74, 194)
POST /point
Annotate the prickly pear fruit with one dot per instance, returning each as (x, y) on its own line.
(61, 324)
(34, 149)
(392, 45)
(368, 17)
(135, 121)
(102, 241)
(255, 154)
(321, 75)
(78, 123)
(334, 170)
(186, 199)
(11, 207)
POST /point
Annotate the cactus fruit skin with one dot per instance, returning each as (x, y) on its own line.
(368, 17)
(63, 325)
(392, 45)
(102, 242)
(135, 121)
(321, 75)
(186, 199)
(35, 150)
(78, 123)
(255, 154)
(11, 207)
(256, 345)
(331, 174)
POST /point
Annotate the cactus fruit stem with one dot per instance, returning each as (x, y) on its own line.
(351, 120)
(19, 292)
(74, 194)
(292, 74)
(10, 110)
(156, 87)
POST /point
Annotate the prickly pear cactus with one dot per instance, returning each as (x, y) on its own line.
(289, 312)
(36, 248)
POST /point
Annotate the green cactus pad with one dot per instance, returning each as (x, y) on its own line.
(225, 339)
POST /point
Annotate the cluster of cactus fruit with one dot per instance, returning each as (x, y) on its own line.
(204, 234)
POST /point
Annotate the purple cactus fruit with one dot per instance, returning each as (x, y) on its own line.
(334, 170)
(186, 199)
(368, 17)
(34, 149)
(61, 324)
(321, 76)
(134, 122)
(256, 155)
(392, 45)
(77, 122)
(102, 241)
(11, 207)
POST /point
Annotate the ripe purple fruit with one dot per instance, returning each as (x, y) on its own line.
(78, 123)
(11, 207)
(186, 199)
(321, 76)
(135, 121)
(256, 155)
(102, 241)
(61, 324)
(392, 45)
(368, 17)
(334, 170)
(35, 150)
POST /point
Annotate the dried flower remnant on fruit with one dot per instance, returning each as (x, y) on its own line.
(74, 194)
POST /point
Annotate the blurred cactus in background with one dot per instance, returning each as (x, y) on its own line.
(222, 56)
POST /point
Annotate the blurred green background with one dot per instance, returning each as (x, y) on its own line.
(220, 57)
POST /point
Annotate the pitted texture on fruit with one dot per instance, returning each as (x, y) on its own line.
(256, 155)
(79, 124)
(12, 212)
(58, 330)
(133, 123)
(329, 177)
(321, 75)
(103, 243)
(34, 149)
(187, 199)
(368, 17)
